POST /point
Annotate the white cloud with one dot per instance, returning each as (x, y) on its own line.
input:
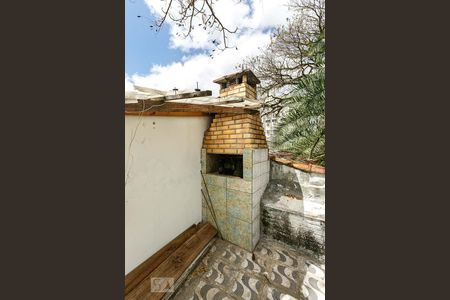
(128, 83)
(253, 18)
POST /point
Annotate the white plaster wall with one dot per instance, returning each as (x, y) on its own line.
(162, 182)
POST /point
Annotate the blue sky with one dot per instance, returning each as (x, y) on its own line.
(164, 60)
(143, 46)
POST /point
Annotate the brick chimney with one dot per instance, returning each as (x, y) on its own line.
(241, 84)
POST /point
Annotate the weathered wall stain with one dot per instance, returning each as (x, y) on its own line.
(293, 208)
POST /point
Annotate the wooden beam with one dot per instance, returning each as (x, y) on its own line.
(231, 101)
(180, 96)
(175, 264)
(162, 106)
(133, 278)
(142, 105)
(167, 114)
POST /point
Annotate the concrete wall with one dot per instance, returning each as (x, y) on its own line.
(162, 181)
(293, 208)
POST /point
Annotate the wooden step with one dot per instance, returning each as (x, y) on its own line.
(133, 278)
(169, 262)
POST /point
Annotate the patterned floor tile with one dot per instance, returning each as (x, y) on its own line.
(247, 287)
(273, 271)
(286, 277)
(205, 291)
(314, 283)
(220, 273)
(274, 294)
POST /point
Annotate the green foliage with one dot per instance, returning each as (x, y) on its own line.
(302, 130)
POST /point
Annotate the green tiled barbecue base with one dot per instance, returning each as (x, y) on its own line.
(241, 233)
(236, 201)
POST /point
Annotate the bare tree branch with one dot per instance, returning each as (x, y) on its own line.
(185, 12)
(287, 59)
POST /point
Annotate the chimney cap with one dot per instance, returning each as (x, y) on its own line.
(251, 77)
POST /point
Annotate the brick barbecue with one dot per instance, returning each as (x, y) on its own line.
(236, 167)
(231, 134)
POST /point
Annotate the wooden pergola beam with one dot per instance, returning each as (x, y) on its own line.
(167, 113)
(162, 106)
(180, 96)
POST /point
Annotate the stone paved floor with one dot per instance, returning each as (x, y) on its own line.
(276, 272)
